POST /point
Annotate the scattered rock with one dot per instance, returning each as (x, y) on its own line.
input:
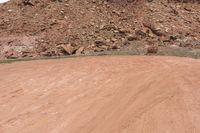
(152, 49)
(80, 50)
(113, 39)
(27, 3)
(154, 30)
(100, 41)
(97, 49)
(131, 38)
(105, 47)
(11, 54)
(140, 34)
(114, 46)
(189, 42)
(69, 49)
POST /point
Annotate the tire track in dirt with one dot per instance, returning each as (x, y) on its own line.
(118, 94)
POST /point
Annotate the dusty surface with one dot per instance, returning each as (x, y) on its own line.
(66, 27)
(110, 95)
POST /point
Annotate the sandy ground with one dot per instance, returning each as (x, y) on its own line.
(121, 94)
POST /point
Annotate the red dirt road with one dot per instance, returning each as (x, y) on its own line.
(121, 94)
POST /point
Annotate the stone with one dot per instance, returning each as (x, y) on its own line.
(114, 46)
(100, 41)
(80, 50)
(69, 49)
(152, 49)
(131, 38)
(140, 33)
(105, 47)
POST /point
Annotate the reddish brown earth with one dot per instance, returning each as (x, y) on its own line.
(120, 94)
(66, 27)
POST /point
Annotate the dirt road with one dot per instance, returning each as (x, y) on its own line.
(121, 94)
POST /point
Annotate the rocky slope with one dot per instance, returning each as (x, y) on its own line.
(32, 28)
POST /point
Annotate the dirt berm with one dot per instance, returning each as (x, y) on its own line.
(121, 94)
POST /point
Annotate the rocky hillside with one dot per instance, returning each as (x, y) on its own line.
(33, 28)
